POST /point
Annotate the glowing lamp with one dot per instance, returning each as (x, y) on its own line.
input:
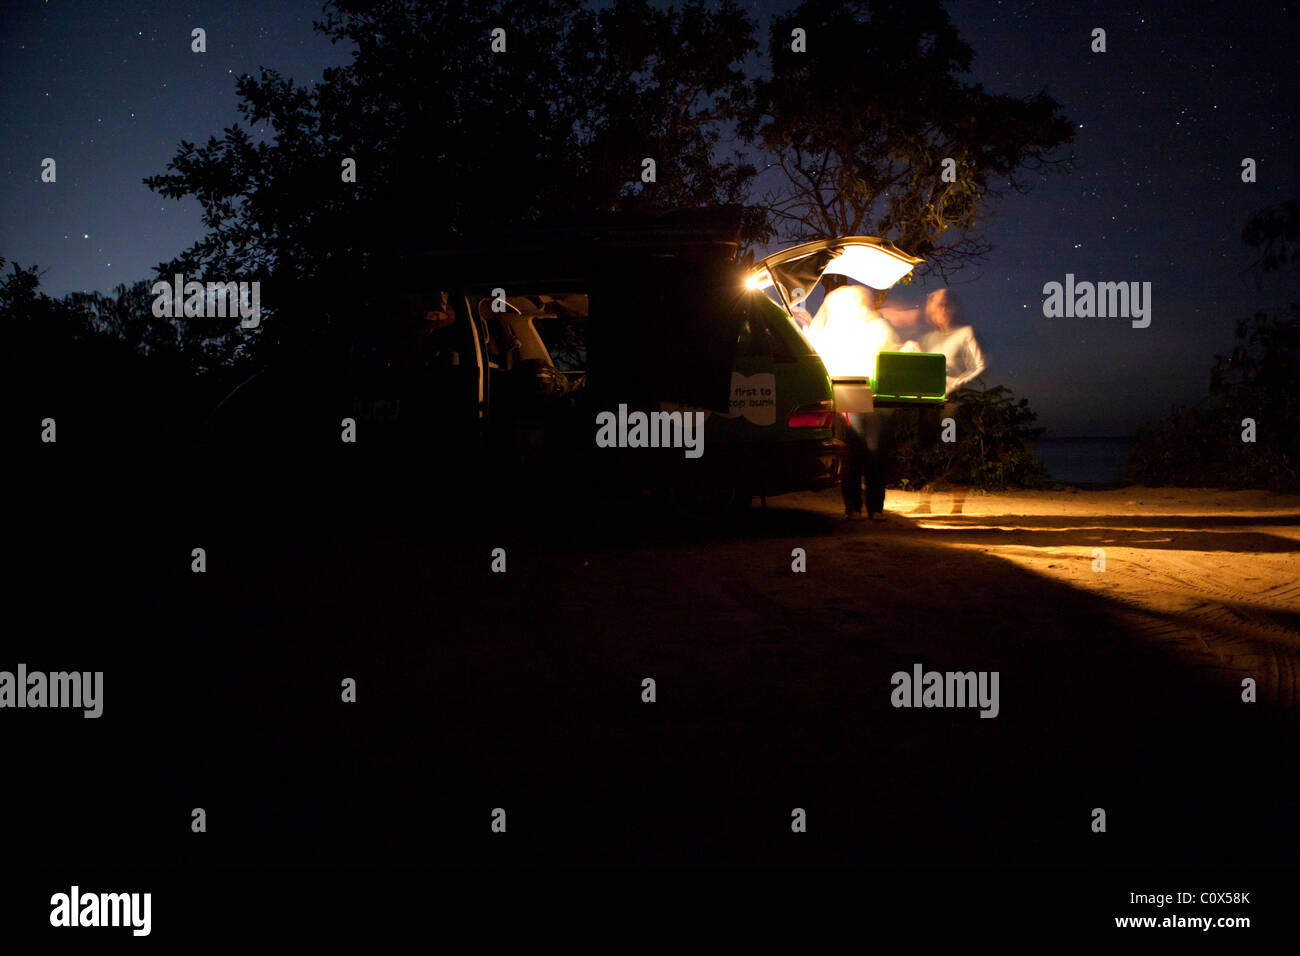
(876, 266)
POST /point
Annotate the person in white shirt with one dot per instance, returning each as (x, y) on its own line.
(954, 339)
(965, 363)
(848, 333)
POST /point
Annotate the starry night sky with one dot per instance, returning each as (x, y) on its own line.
(1163, 120)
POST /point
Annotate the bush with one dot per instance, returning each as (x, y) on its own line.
(993, 448)
(102, 366)
(1203, 446)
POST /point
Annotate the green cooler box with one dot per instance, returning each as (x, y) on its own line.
(909, 378)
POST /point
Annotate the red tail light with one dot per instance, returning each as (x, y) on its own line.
(818, 415)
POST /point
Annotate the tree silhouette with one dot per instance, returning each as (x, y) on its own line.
(1275, 232)
(1258, 380)
(456, 144)
(859, 125)
(102, 365)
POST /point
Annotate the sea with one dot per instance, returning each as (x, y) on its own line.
(1084, 460)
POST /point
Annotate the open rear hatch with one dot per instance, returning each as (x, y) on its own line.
(900, 378)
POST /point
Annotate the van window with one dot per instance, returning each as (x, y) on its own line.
(748, 343)
(757, 337)
(565, 338)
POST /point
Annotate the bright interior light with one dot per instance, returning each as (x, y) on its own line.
(871, 265)
(759, 280)
(847, 343)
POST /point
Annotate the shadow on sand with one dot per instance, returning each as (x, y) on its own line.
(523, 690)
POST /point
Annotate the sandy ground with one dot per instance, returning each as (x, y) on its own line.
(1120, 689)
(1215, 574)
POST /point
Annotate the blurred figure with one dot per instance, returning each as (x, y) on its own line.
(965, 363)
(955, 340)
(847, 333)
(904, 318)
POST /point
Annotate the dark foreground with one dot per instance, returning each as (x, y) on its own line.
(523, 691)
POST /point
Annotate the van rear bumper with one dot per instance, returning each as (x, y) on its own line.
(782, 467)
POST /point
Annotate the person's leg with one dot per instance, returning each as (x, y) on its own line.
(851, 478)
(927, 437)
(958, 494)
(873, 436)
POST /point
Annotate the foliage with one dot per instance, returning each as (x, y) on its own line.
(1258, 380)
(1275, 232)
(859, 131)
(103, 361)
(994, 446)
(455, 144)
(1203, 446)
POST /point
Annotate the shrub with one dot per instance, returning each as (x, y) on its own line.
(1203, 446)
(993, 449)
